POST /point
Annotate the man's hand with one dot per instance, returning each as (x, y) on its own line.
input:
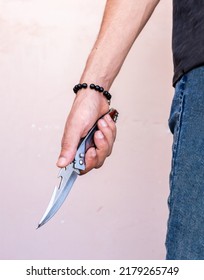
(87, 108)
(122, 22)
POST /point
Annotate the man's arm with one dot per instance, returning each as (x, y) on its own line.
(122, 22)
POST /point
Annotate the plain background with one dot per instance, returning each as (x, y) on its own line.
(119, 211)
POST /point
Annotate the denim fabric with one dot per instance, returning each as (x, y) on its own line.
(185, 234)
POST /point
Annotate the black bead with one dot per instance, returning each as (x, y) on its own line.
(92, 86)
(75, 89)
(84, 85)
(101, 89)
(79, 86)
(107, 95)
(97, 88)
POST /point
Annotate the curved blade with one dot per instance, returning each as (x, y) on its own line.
(68, 176)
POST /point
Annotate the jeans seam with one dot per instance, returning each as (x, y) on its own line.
(178, 125)
(176, 142)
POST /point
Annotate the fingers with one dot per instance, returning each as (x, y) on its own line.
(104, 139)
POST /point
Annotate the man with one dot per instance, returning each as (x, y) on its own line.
(185, 235)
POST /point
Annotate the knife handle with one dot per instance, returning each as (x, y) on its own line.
(88, 142)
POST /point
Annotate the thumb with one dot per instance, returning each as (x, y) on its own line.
(69, 146)
(66, 156)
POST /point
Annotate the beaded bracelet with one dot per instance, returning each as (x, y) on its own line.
(95, 87)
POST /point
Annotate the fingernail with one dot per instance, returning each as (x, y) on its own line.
(99, 134)
(62, 161)
(103, 123)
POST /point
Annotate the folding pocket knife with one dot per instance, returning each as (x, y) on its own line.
(69, 173)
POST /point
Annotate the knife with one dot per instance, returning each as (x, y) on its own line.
(69, 173)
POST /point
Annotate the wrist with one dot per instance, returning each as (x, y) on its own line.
(94, 87)
(97, 80)
(92, 100)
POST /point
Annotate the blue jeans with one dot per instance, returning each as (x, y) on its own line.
(185, 234)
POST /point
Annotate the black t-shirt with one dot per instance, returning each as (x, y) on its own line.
(188, 36)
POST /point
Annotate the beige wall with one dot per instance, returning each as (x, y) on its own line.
(119, 211)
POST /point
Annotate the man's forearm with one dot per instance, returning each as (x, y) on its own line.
(122, 22)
